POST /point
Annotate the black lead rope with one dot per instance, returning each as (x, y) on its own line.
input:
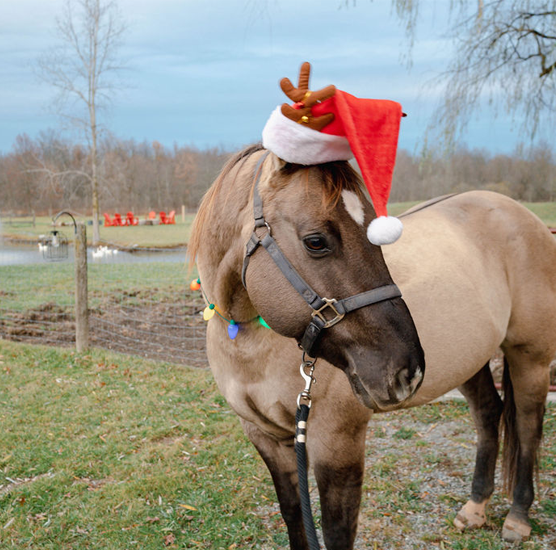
(301, 416)
(301, 451)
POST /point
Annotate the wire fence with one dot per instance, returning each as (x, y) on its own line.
(139, 302)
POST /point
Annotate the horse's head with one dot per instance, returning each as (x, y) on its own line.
(318, 217)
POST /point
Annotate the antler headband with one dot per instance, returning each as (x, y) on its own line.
(329, 125)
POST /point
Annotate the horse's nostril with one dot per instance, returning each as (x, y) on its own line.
(405, 383)
(401, 385)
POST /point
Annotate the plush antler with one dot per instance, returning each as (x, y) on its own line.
(304, 99)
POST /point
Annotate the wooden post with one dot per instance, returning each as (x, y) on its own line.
(183, 213)
(81, 302)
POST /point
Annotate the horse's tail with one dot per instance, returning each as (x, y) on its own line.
(511, 446)
(510, 449)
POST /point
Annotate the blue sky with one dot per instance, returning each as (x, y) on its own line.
(206, 72)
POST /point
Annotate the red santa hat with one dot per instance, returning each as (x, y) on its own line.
(330, 125)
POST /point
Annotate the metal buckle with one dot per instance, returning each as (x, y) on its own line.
(307, 368)
(329, 303)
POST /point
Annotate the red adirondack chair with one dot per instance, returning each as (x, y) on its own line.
(162, 217)
(118, 220)
(107, 221)
(171, 218)
(130, 219)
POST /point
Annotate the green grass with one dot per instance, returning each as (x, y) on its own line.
(28, 286)
(138, 235)
(546, 211)
(397, 208)
(102, 451)
(106, 452)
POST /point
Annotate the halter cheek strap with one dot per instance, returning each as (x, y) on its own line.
(326, 311)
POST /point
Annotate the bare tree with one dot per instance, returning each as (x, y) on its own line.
(83, 69)
(505, 54)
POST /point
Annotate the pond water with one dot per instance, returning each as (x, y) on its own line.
(27, 254)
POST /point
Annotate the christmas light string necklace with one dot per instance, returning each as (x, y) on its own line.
(212, 309)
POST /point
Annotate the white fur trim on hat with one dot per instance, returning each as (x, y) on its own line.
(299, 144)
(384, 230)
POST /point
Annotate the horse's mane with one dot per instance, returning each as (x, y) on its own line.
(336, 177)
(205, 208)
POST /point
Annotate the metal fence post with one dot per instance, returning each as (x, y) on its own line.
(81, 298)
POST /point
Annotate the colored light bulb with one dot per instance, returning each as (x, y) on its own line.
(263, 322)
(209, 312)
(233, 329)
(195, 284)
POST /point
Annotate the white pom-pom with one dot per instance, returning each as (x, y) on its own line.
(384, 230)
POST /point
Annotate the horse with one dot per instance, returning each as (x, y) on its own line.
(476, 273)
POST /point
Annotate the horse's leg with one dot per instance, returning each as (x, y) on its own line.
(339, 462)
(525, 391)
(281, 461)
(486, 408)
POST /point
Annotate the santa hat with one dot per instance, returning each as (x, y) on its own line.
(330, 125)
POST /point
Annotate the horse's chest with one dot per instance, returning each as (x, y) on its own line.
(257, 403)
(261, 392)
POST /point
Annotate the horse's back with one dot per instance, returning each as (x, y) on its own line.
(477, 270)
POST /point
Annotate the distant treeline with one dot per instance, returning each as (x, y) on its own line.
(528, 174)
(47, 174)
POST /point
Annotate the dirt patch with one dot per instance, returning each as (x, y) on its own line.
(131, 322)
(169, 328)
(47, 324)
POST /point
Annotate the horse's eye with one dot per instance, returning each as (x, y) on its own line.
(316, 243)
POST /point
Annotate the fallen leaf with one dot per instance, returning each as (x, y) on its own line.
(187, 507)
(169, 539)
(152, 520)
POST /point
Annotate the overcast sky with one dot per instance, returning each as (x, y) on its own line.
(206, 72)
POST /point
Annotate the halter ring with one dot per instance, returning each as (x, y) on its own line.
(329, 303)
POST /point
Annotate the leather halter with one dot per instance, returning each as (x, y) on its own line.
(326, 311)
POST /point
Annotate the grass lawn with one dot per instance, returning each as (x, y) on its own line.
(103, 451)
(546, 211)
(106, 452)
(138, 235)
(26, 287)
(178, 234)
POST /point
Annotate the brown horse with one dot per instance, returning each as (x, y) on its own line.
(476, 271)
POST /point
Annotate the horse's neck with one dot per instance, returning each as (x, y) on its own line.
(220, 257)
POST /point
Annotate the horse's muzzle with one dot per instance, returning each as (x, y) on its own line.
(381, 387)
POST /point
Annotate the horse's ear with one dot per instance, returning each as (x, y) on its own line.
(276, 162)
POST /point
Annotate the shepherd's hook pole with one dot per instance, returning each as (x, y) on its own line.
(81, 296)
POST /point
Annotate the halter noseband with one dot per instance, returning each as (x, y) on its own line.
(320, 306)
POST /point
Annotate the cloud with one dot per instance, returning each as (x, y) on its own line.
(207, 71)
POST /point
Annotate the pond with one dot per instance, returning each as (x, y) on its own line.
(29, 253)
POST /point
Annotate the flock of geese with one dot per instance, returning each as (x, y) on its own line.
(103, 252)
(98, 253)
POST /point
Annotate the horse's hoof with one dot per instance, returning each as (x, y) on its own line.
(515, 530)
(471, 516)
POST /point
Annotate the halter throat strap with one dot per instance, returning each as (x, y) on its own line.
(326, 311)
